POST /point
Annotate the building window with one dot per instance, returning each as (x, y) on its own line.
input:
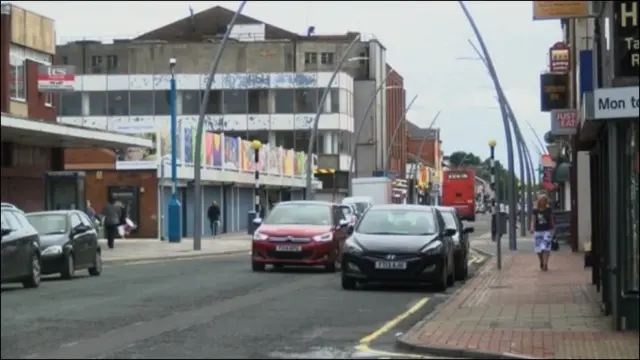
(258, 101)
(141, 102)
(97, 103)
(96, 64)
(310, 58)
(118, 103)
(335, 101)
(327, 58)
(283, 101)
(162, 102)
(631, 180)
(70, 104)
(214, 104)
(235, 101)
(64, 60)
(306, 101)
(18, 73)
(48, 99)
(190, 102)
(112, 62)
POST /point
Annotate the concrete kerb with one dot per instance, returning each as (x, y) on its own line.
(193, 256)
(405, 345)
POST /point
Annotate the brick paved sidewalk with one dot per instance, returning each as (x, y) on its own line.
(521, 311)
(130, 250)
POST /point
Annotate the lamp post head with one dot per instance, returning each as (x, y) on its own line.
(256, 144)
(492, 143)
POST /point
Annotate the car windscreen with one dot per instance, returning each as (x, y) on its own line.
(48, 224)
(397, 222)
(361, 206)
(346, 211)
(299, 214)
(449, 220)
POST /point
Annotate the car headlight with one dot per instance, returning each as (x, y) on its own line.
(323, 237)
(352, 248)
(53, 250)
(257, 236)
(434, 248)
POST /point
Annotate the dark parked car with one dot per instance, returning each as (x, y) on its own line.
(68, 242)
(399, 243)
(460, 239)
(20, 248)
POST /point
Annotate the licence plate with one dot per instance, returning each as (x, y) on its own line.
(289, 248)
(391, 265)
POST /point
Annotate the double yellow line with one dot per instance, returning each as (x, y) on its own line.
(364, 345)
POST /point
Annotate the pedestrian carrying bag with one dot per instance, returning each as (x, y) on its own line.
(554, 244)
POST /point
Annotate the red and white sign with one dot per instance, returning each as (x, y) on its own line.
(56, 78)
(559, 58)
(564, 122)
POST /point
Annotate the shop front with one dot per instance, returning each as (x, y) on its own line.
(609, 130)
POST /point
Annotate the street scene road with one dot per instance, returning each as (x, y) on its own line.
(210, 308)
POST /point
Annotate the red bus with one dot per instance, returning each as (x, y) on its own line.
(459, 191)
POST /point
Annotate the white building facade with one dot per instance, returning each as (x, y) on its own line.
(276, 108)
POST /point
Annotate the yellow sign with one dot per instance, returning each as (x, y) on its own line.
(555, 10)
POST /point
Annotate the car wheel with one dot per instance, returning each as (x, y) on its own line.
(349, 283)
(33, 280)
(335, 265)
(461, 268)
(69, 269)
(256, 266)
(96, 269)
(441, 284)
(451, 278)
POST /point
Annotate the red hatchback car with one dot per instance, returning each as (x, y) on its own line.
(300, 233)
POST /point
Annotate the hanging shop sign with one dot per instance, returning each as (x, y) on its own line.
(559, 58)
(554, 91)
(625, 36)
(564, 122)
(556, 10)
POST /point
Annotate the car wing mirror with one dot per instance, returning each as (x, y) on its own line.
(469, 230)
(5, 231)
(449, 232)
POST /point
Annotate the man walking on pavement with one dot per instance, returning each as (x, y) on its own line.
(213, 214)
(111, 215)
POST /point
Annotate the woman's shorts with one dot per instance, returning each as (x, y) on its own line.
(542, 241)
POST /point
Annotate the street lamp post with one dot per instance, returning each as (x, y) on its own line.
(314, 129)
(197, 161)
(174, 228)
(356, 137)
(396, 130)
(495, 203)
(256, 145)
(505, 121)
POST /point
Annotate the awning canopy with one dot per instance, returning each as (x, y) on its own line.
(39, 133)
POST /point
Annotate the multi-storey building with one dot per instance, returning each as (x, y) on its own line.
(268, 87)
(32, 142)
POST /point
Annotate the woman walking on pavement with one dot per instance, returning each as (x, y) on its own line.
(542, 225)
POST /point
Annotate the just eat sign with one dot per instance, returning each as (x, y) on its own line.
(564, 121)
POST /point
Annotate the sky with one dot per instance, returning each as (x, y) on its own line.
(427, 43)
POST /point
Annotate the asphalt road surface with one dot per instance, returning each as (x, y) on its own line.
(207, 308)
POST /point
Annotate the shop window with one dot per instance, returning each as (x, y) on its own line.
(632, 208)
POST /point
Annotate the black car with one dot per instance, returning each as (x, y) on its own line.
(20, 248)
(68, 242)
(460, 239)
(399, 243)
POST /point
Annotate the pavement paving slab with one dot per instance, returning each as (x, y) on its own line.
(131, 250)
(522, 312)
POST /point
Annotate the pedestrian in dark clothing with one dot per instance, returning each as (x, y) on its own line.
(111, 214)
(213, 214)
